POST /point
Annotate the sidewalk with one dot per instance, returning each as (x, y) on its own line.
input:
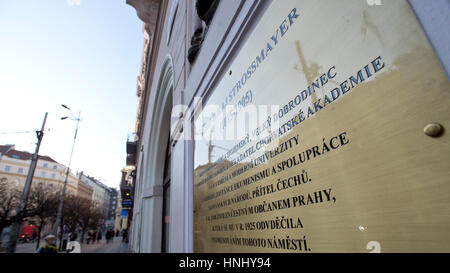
(26, 248)
(116, 246)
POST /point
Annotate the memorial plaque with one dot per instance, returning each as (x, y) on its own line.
(326, 135)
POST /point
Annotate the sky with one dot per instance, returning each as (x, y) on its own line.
(85, 54)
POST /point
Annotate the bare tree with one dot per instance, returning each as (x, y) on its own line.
(9, 199)
(81, 213)
(42, 204)
(90, 218)
(73, 208)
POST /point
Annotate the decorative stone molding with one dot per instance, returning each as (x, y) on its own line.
(147, 11)
(145, 53)
(196, 44)
(205, 11)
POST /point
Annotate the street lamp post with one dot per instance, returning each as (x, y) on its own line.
(20, 210)
(61, 201)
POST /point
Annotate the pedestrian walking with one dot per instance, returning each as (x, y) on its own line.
(125, 236)
(73, 236)
(34, 236)
(49, 246)
(89, 237)
(109, 236)
(94, 236)
(99, 236)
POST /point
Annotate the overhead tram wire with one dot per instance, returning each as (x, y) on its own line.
(24, 132)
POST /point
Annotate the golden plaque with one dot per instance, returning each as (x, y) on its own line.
(328, 136)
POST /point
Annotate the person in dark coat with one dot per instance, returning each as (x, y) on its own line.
(94, 237)
(109, 236)
(34, 236)
(89, 237)
(99, 236)
(73, 236)
(125, 235)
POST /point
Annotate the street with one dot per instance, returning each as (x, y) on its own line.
(116, 246)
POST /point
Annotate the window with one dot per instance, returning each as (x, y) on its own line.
(20, 170)
(53, 175)
(16, 156)
(7, 168)
(43, 174)
(173, 12)
(45, 165)
(54, 167)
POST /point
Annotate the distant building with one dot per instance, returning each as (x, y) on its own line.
(118, 219)
(101, 193)
(112, 204)
(14, 167)
(84, 190)
(123, 215)
(126, 200)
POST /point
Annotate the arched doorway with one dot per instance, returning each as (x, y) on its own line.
(156, 179)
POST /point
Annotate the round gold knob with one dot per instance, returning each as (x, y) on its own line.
(433, 129)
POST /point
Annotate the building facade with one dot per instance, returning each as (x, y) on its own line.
(84, 190)
(112, 204)
(340, 144)
(101, 194)
(14, 167)
(124, 214)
